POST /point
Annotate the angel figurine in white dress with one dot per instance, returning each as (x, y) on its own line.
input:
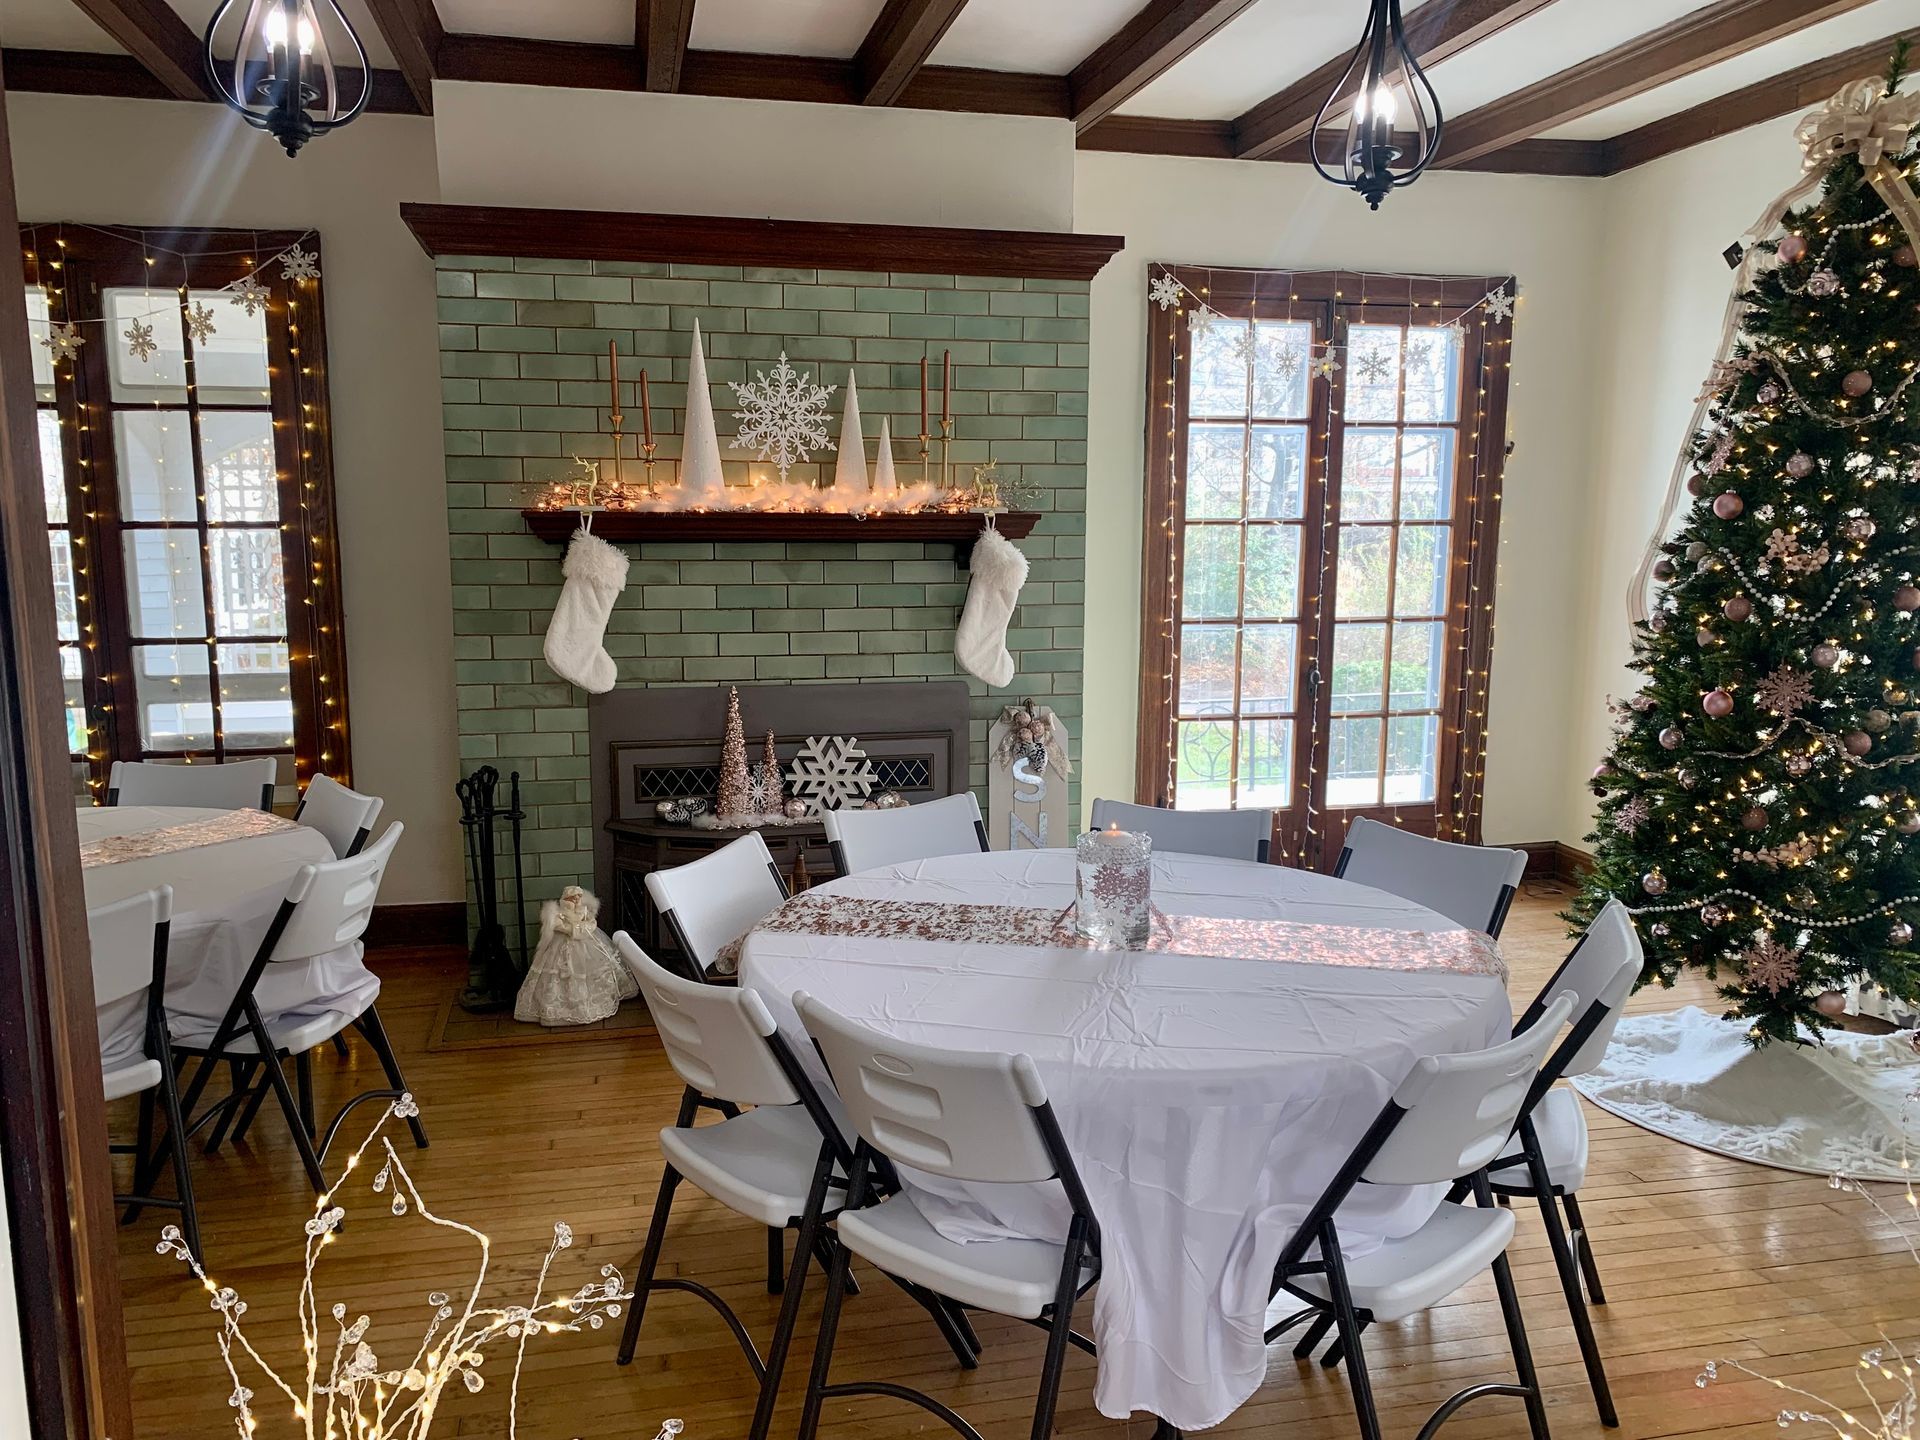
(576, 977)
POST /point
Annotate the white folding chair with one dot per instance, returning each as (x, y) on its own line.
(129, 943)
(1228, 834)
(1447, 1119)
(1471, 884)
(962, 1115)
(327, 907)
(709, 904)
(344, 816)
(864, 839)
(230, 785)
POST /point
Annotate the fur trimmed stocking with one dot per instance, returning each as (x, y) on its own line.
(980, 644)
(595, 574)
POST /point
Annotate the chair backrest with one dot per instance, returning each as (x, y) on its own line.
(1229, 834)
(865, 839)
(333, 901)
(1459, 1110)
(128, 953)
(965, 1114)
(344, 816)
(711, 902)
(231, 785)
(716, 1036)
(1597, 976)
(1470, 884)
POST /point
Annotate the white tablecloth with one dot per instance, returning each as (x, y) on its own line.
(224, 898)
(1206, 1101)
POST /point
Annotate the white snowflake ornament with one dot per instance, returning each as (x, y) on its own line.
(64, 341)
(1246, 345)
(200, 323)
(783, 416)
(829, 773)
(139, 338)
(1326, 364)
(1200, 321)
(1500, 305)
(1165, 291)
(250, 293)
(297, 264)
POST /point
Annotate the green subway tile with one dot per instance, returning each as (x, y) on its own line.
(716, 621)
(779, 276)
(789, 620)
(671, 292)
(554, 312)
(458, 337)
(676, 550)
(824, 596)
(988, 282)
(890, 300)
(755, 643)
(1014, 352)
(683, 645)
(489, 572)
(706, 272)
(711, 317)
(567, 718)
(1075, 305)
(852, 572)
(924, 617)
(459, 392)
(497, 722)
(520, 392)
(490, 672)
(475, 363)
(477, 312)
(858, 667)
(924, 327)
(501, 443)
(783, 322)
(564, 767)
(891, 595)
(1039, 327)
(481, 417)
(558, 367)
(522, 338)
(616, 289)
(1023, 304)
(892, 642)
(818, 297)
(472, 262)
(985, 327)
(907, 571)
(553, 267)
(631, 267)
(612, 315)
(931, 664)
(726, 668)
(786, 572)
(457, 283)
(760, 295)
(957, 302)
(640, 671)
(747, 347)
(678, 597)
(745, 597)
(717, 572)
(820, 348)
(529, 747)
(514, 286)
(1041, 378)
(827, 642)
(921, 282)
(536, 696)
(479, 747)
(850, 322)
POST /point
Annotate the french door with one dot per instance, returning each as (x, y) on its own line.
(1323, 460)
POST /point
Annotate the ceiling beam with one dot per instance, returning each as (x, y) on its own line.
(1697, 40)
(414, 34)
(1763, 100)
(1435, 32)
(661, 30)
(902, 37)
(158, 38)
(77, 72)
(1156, 39)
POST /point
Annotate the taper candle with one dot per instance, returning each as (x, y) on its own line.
(613, 374)
(946, 386)
(923, 395)
(646, 410)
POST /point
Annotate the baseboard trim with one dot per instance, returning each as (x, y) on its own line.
(1555, 860)
(437, 922)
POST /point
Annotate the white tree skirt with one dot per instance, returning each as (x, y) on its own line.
(1814, 1108)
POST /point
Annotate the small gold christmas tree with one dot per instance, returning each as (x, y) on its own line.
(731, 803)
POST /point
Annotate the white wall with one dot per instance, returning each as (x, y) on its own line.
(1219, 212)
(138, 162)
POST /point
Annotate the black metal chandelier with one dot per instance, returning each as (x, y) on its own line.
(1382, 75)
(281, 77)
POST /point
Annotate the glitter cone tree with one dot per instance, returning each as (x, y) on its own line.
(1761, 796)
(731, 802)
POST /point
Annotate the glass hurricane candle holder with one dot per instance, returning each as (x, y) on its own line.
(1113, 887)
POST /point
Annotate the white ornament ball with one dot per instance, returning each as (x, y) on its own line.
(1831, 1002)
(1899, 933)
(1824, 655)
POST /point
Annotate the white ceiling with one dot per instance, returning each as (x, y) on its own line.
(1040, 37)
(49, 25)
(832, 28)
(587, 21)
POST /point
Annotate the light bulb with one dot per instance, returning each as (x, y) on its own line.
(276, 28)
(305, 33)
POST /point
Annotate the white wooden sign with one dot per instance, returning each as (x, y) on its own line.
(1026, 805)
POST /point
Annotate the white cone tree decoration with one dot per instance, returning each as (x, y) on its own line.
(883, 476)
(850, 471)
(700, 473)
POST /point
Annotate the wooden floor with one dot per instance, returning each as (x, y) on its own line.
(1702, 1257)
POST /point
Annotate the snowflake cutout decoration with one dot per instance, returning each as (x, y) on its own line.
(64, 342)
(1768, 965)
(1784, 691)
(829, 773)
(250, 293)
(1200, 321)
(1764, 514)
(200, 323)
(1500, 305)
(763, 789)
(782, 415)
(1374, 368)
(1632, 815)
(1165, 291)
(1246, 345)
(139, 338)
(1288, 362)
(297, 264)
(1122, 885)
(1326, 364)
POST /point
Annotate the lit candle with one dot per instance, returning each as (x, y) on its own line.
(923, 395)
(1114, 835)
(646, 410)
(613, 374)
(946, 386)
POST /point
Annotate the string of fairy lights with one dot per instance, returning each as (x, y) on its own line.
(1470, 591)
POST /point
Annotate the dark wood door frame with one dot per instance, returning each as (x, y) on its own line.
(53, 1132)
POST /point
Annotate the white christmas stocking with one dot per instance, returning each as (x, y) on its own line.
(595, 574)
(980, 644)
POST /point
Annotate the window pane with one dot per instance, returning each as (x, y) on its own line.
(1361, 586)
(66, 608)
(163, 583)
(230, 365)
(1272, 589)
(75, 700)
(162, 376)
(1216, 469)
(236, 448)
(1373, 373)
(1276, 478)
(1420, 578)
(174, 691)
(1433, 374)
(1266, 764)
(1411, 757)
(1359, 667)
(53, 471)
(1353, 762)
(1266, 667)
(1218, 382)
(256, 702)
(1203, 763)
(1210, 582)
(1426, 474)
(1366, 475)
(1206, 669)
(1418, 663)
(1281, 367)
(249, 588)
(39, 327)
(154, 450)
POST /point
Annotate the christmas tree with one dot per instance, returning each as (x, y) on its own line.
(732, 803)
(1760, 797)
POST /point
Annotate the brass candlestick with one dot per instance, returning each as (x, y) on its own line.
(946, 453)
(646, 450)
(925, 473)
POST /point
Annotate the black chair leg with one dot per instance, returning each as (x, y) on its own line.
(340, 1045)
(649, 1262)
(1316, 1332)
(289, 1106)
(376, 1034)
(1045, 1402)
(823, 1344)
(1349, 1326)
(142, 1148)
(177, 1143)
(1522, 1351)
(245, 1114)
(793, 1289)
(303, 1075)
(1583, 1248)
(1569, 1272)
(776, 1260)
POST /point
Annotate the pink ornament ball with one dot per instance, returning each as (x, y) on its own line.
(1671, 738)
(1800, 464)
(1696, 485)
(1857, 527)
(1792, 249)
(1714, 915)
(1832, 1002)
(1737, 609)
(1658, 624)
(1858, 742)
(1664, 569)
(1856, 383)
(1908, 822)
(1824, 655)
(796, 809)
(1728, 505)
(1905, 258)
(1907, 599)
(1703, 637)
(1717, 703)
(1654, 883)
(1768, 394)
(1899, 933)
(1755, 818)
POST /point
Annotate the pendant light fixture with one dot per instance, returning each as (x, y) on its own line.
(281, 77)
(1383, 79)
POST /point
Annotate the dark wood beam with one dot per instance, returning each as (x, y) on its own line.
(661, 29)
(1751, 105)
(1148, 135)
(1697, 40)
(897, 45)
(414, 34)
(1435, 32)
(1146, 47)
(83, 72)
(151, 32)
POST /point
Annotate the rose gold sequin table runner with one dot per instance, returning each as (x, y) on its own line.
(189, 835)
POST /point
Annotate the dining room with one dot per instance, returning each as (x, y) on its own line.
(757, 719)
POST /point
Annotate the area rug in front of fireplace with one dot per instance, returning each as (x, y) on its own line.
(1841, 1106)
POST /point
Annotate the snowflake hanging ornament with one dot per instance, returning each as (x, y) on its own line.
(829, 773)
(1784, 691)
(64, 342)
(1500, 305)
(200, 323)
(139, 338)
(1165, 291)
(783, 415)
(297, 264)
(1246, 345)
(1326, 364)
(1768, 965)
(249, 293)
(1632, 815)
(1200, 320)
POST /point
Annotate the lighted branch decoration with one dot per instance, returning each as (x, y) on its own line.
(343, 1388)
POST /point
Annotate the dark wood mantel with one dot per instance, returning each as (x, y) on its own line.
(728, 240)
(623, 526)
